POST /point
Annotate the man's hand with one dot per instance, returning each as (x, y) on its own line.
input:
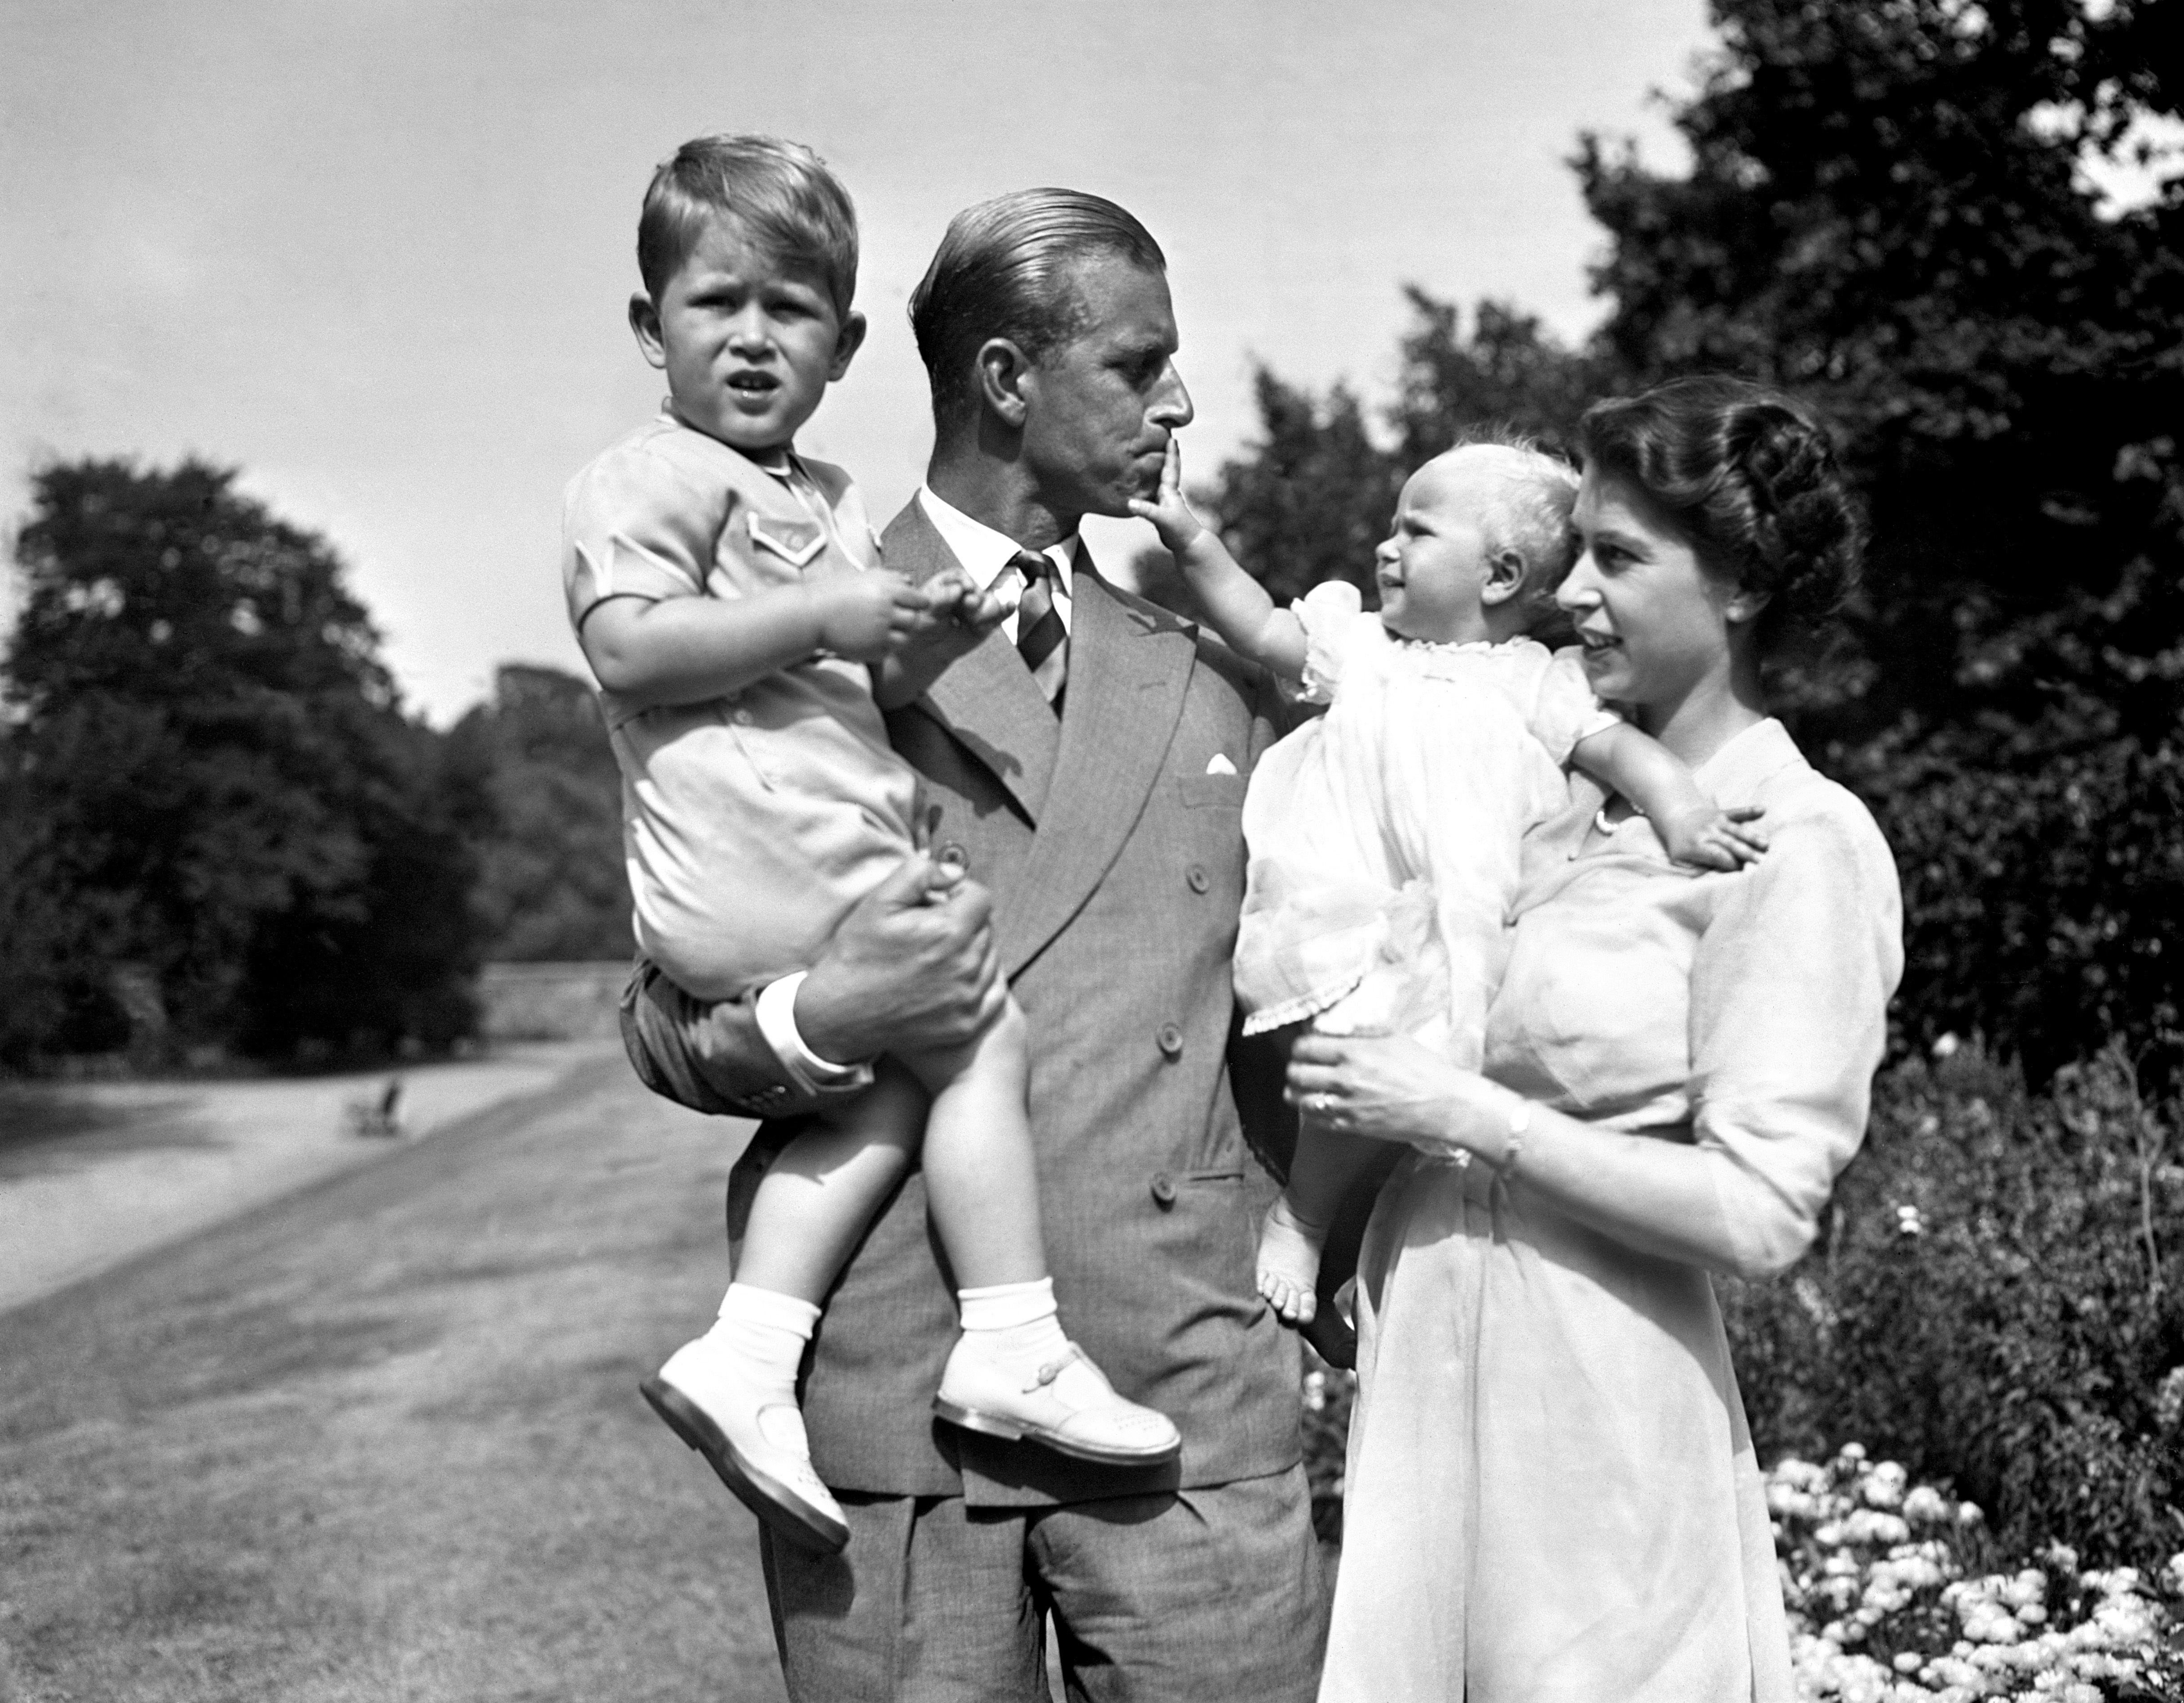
(911, 968)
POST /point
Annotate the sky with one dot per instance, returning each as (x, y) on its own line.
(376, 253)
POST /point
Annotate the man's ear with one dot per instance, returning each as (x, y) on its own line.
(1505, 578)
(644, 321)
(1001, 371)
(852, 339)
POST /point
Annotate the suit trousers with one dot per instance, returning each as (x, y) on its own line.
(1203, 1593)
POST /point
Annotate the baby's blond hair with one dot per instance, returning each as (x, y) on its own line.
(1529, 511)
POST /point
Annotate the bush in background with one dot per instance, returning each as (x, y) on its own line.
(1995, 1303)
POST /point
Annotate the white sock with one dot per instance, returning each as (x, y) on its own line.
(766, 1331)
(1017, 1323)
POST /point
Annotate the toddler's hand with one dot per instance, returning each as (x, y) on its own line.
(1712, 838)
(954, 597)
(868, 616)
(1172, 518)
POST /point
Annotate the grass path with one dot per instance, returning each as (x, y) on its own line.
(382, 1439)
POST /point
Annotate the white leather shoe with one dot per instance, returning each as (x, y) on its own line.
(758, 1448)
(1070, 1407)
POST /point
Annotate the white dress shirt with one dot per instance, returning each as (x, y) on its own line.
(985, 555)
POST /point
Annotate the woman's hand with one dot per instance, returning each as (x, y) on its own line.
(1389, 1088)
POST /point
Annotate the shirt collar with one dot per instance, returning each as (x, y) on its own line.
(983, 552)
(780, 462)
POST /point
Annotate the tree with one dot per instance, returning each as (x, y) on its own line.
(1509, 374)
(1313, 498)
(551, 882)
(217, 800)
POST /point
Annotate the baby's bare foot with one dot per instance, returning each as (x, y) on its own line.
(1289, 1263)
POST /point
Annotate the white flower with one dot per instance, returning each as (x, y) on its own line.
(1884, 1485)
(1945, 1045)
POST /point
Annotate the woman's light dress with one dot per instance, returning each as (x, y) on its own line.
(1385, 835)
(1552, 1496)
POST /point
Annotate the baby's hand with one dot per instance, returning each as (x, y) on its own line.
(1712, 838)
(1172, 518)
(868, 616)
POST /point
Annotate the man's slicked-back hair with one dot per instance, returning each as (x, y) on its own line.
(781, 193)
(1003, 270)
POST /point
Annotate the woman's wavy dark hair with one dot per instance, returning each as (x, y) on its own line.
(1751, 479)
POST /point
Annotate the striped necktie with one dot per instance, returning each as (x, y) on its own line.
(1041, 638)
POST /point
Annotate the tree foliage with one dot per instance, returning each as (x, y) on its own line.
(551, 884)
(221, 826)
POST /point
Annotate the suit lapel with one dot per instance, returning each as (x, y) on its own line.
(1129, 667)
(987, 700)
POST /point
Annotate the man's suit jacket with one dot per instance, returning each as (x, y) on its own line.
(1113, 845)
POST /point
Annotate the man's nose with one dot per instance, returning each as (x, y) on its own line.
(1170, 404)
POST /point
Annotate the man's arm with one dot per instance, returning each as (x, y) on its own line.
(908, 969)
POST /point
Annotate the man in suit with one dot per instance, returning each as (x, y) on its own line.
(1088, 763)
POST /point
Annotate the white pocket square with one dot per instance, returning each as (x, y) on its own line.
(1220, 765)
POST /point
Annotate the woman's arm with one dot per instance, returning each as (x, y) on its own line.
(686, 650)
(1656, 1196)
(1236, 605)
(1790, 986)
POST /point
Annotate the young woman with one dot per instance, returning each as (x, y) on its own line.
(1552, 1492)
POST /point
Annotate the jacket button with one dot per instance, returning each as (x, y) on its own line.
(1169, 1039)
(1198, 879)
(1163, 1188)
(742, 718)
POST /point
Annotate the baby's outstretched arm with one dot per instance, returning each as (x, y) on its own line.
(1236, 604)
(686, 650)
(1692, 827)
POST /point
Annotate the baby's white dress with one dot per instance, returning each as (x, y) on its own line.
(1385, 833)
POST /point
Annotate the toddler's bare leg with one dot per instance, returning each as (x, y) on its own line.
(731, 1394)
(821, 1193)
(981, 1180)
(1294, 1230)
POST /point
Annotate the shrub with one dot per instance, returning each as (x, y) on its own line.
(1995, 1303)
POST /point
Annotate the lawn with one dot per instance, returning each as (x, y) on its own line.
(382, 1440)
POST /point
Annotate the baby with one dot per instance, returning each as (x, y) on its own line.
(728, 595)
(1383, 837)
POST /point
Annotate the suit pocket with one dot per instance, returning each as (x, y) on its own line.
(1205, 791)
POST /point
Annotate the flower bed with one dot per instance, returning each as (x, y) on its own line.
(1895, 1592)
